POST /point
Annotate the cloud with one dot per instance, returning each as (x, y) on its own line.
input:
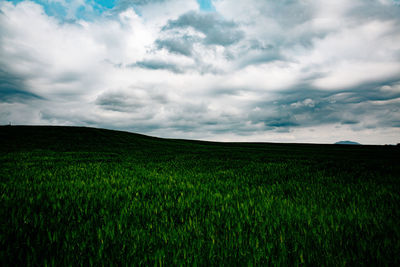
(13, 89)
(217, 30)
(292, 71)
(355, 55)
(183, 45)
(156, 12)
(116, 102)
(157, 65)
(370, 108)
(133, 99)
(139, 2)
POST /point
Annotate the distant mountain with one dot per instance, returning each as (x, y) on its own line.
(347, 143)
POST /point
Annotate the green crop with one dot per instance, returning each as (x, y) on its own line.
(81, 196)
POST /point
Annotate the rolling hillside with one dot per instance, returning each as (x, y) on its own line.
(85, 196)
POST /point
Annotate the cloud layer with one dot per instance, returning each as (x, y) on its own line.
(283, 71)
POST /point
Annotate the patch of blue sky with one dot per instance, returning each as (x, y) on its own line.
(52, 8)
(59, 9)
(55, 9)
(108, 4)
(99, 6)
(14, 1)
(206, 5)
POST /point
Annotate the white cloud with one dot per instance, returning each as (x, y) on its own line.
(350, 74)
(352, 56)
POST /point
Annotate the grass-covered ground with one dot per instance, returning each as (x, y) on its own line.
(79, 196)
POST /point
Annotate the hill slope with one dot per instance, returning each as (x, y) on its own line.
(65, 138)
(68, 138)
(84, 196)
(347, 143)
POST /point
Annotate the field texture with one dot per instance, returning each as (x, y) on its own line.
(82, 196)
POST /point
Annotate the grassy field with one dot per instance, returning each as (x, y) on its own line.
(84, 196)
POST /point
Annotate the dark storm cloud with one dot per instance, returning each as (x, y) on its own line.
(396, 123)
(115, 102)
(13, 89)
(302, 107)
(193, 117)
(157, 65)
(217, 31)
(13, 95)
(257, 52)
(372, 9)
(121, 102)
(132, 100)
(289, 116)
(183, 45)
(281, 121)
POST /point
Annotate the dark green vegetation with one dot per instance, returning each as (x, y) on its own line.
(79, 196)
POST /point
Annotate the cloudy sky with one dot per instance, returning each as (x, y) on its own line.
(228, 70)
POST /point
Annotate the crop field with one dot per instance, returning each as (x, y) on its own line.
(84, 196)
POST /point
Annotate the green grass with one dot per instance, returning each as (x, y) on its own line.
(83, 196)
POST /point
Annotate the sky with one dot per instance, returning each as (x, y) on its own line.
(305, 71)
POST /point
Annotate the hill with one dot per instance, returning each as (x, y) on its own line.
(85, 196)
(347, 143)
